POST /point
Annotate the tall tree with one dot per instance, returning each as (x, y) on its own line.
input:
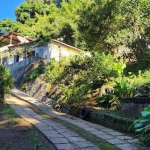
(29, 8)
(52, 23)
(106, 24)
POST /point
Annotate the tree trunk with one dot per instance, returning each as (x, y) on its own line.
(1, 96)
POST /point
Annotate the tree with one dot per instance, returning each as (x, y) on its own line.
(6, 82)
(7, 25)
(47, 21)
(104, 25)
(136, 20)
(41, 19)
(96, 22)
(27, 10)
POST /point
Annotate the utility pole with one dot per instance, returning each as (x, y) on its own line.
(24, 47)
(59, 46)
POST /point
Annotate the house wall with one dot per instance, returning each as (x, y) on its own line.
(42, 51)
(45, 51)
(54, 51)
(20, 64)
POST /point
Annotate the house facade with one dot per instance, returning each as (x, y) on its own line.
(16, 47)
(55, 50)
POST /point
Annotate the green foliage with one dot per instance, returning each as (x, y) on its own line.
(132, 85)
(73, 94)
(119, 67)
(142, 126)
(79, 76)
(143, 90)
(108, 24)
(54, 71)
(90, 25)
(96, 22)
(108, 101)
(35, 141)
(43, 20)
(29, 8)
(34, 74)
(6, 82)
(9, 112)
(102, 69)
(7, 24)
(124, 87)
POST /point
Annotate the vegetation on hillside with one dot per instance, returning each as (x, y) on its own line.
(79, 77)
(82, 79)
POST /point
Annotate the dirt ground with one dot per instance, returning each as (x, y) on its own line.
(17, 134)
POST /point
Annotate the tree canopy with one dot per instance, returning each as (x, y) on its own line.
(107, 24)
(95, 25)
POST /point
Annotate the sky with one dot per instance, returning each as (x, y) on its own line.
(7, 8)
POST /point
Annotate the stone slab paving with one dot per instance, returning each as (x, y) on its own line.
(118, 139)
(63, 138)
(127, 147)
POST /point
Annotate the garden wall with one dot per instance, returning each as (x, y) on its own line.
(132, 107)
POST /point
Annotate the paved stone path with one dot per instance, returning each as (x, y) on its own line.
(63, 138)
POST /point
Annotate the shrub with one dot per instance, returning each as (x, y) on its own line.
(108, 101)
(6, 82)
(34, 74)
(142, 126)
(79, 76)
(55, 71)
(73, 94)
(124, 87)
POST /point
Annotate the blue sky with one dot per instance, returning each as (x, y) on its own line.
(7, 8)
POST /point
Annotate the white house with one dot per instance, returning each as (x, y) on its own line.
(13, 43)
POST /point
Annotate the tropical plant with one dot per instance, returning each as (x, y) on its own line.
(108, 101)
(6, 82)
(142, 126)
(143, 90)
(124, 87)
(119, 67)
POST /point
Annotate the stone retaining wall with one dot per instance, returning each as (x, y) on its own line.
(38, 90)
(132, 107)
